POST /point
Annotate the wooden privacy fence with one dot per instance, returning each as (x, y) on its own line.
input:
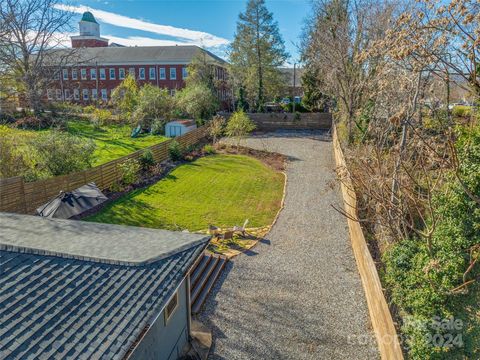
(24, 197)
(382, 322)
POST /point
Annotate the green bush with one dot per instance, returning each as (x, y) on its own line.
(209, 149)
(147, 160)
(129, 169)
(175, 151)
(239, 125)
(421, 275)
(462, 111)
(158, 127)
(89, 109)
(60, 153)
(217, 127)
(100, 117)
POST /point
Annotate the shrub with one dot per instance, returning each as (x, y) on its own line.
(209, 149)
(153, 104)
(175, 151)
(239, 126)
(217, 127)
(421, 275)
(100, 117)
(12, 161)
(129, 170)
(147, 160)
(89, 109)
(461, 111)
(158, 127)
(35, 122)
(198, 101)
(60, 153)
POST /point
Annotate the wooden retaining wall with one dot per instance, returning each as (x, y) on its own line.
(24, 197)
(289, 121)
(381, 318)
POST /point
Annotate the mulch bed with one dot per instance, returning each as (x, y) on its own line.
(274, 160)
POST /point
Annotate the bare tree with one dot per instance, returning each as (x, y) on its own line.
(29, 30)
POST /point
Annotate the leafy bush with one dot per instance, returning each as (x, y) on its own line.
(129, 169)
(154, 104)
(100, 117)
(198, 101)
(89, 109)
(157, 127)
(35, 122)
(239, 125)
(462, 111)
(13, 162)
(175, 151)
(147, 160)
(422, 275)
(209, 149)
(125, 96)
(217, 127)
(60, 153)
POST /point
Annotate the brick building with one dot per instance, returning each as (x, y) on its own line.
(96, 67)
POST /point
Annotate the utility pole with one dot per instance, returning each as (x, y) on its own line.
(293, 91)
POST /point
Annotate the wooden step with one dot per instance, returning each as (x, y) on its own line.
(198, 270)
(202, 296)
(203, 278)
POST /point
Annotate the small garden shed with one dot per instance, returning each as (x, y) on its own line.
(179, 127)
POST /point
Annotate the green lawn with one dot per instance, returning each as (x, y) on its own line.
(222, 190)
(113, 141)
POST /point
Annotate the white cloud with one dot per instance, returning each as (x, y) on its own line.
(191, 37)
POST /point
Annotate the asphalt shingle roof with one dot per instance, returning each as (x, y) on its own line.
(181, 54)
(64, 307)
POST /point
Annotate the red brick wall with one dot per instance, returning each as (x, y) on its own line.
(79, 43)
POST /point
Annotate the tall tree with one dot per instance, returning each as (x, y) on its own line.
(257, 52)
(28, 30)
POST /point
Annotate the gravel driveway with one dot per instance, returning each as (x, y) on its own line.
(296, 295)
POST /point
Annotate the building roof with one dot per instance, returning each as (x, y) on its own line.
(72, 305)
(88, 16)
(137, 55)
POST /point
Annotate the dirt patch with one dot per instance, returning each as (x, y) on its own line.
(274, 160)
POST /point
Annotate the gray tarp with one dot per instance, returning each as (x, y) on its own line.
(69, 204)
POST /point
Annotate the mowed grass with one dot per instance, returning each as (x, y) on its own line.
(222, 190)
(113, 141)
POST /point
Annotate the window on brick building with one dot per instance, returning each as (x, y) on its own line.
(152, 73)
(67, 94)
(65, 74)
(103, 74)
(74, 74)
(121, 74)
(94, 94)
(85, 94)
(83, 74)
(141, 73)
(49, 94)
(59, 94)
(131, 72)
(163, 74)
(184, 73)
(76, 94)
(93, 74)
(112, 74)
(172, 92)
(56, 75)
(173, 73)
(104, 94)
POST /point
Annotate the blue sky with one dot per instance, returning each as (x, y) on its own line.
(208, 23)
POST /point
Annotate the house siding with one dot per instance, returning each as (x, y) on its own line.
(166, 342)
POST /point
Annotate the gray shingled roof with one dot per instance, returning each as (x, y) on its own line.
(62, 307)
(138, 54)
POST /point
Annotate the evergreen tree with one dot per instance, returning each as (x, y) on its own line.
(256, 53)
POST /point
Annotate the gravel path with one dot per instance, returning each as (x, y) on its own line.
(296, 295)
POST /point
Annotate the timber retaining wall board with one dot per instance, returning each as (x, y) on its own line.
(289, 121)
(22, 197)
(380, 316)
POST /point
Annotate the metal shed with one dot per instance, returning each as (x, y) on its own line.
(179, 127)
